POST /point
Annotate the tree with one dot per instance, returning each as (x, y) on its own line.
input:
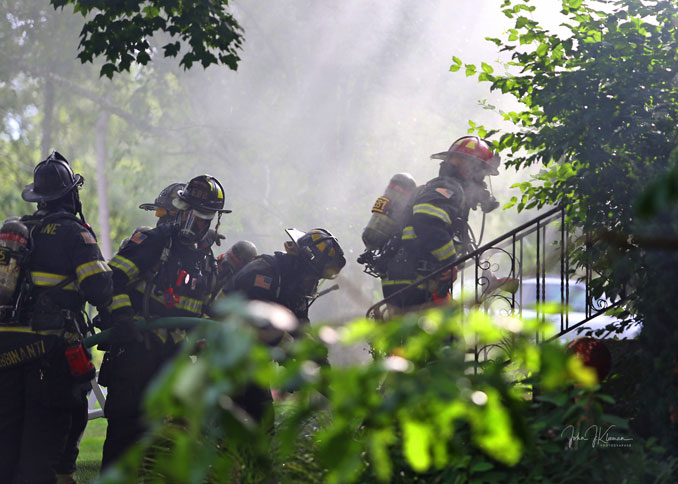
(600, 115)
(50, 101)
(121, 32)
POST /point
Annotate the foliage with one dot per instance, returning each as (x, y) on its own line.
(121, 32)
(420, 411)
(600, 115)
(139, 150)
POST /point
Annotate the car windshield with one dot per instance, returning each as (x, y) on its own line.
(552, 294)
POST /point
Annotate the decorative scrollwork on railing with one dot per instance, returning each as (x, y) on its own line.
(599, 304)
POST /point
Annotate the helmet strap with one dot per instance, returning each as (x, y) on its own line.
(216, 227)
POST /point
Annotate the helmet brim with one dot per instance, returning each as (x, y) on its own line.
(189, 203)
(30, 195)
(151, 207)
(490, 169)
(440, 156)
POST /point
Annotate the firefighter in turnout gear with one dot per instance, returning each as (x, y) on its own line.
(291, 280)
(43, 364)
(436, 230)
(166, 211)
(162, 272)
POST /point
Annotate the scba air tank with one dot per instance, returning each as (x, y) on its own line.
(13, 244)
(388, 212)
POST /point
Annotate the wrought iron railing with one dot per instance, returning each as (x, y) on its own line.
(519, 272)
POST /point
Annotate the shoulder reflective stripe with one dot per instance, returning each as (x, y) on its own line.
(125, 265)
(445, 252)
(47, 279)
(432, 210)
(408, 233)
(120, 301)
(83, 271)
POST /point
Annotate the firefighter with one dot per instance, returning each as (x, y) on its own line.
(42, 362)
(166, 213)
(290, 279)
(162, 272)
(436, 231)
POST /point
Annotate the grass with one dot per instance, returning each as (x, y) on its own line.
(89, 460)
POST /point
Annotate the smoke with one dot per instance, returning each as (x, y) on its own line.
(329, 101)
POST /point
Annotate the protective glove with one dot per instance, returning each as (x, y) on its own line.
(124, 332)
(211, 237)
(103, 319)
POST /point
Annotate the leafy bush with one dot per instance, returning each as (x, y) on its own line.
(422, 411)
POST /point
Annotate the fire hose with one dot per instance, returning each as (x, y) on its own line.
(167, 323)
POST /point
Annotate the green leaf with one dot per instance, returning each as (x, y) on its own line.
(416, 444)
(481, 466)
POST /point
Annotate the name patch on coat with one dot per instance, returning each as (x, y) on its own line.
(22, 354)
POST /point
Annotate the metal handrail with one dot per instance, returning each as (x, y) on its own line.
(375, 312)
(511, 245)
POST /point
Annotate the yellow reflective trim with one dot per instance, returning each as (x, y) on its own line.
(48, 279)
(409, 233)
(178, 335)
(125, 265)
(120, 301)
(83, 271)
(432, 210)
(397, 282)
(445, 252)
(426, 285)
(186, 303)
(26, 329)
(189, 304)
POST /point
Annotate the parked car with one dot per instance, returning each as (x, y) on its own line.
(575, 298)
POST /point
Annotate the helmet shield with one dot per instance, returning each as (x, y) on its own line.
(52, 179)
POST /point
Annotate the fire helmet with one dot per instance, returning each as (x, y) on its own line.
(240, 254)
(53, 178)
(164, 199)
(197, 204)
(321, 251)
(474, 149)
(203, 193)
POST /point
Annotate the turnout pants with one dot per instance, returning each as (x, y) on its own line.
(36, 404)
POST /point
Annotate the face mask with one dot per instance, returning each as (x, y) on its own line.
(193, 224)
